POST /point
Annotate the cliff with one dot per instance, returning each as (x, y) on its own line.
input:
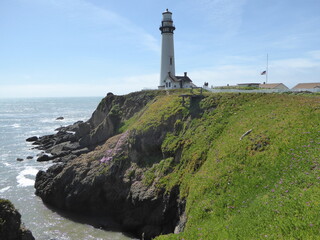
(233, 166)
(10, 223)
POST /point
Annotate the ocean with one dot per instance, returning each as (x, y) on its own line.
(23, 118)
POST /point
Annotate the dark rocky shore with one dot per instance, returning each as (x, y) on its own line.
(100, 170)
(10, 223)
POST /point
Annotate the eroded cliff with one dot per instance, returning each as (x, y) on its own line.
(207, 167)
(110, 180)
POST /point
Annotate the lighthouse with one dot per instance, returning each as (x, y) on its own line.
(168, 78)
(167, 48)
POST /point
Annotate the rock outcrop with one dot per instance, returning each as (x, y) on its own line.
(10, 223)
(101, 173)
(108, 182)
(81, 137)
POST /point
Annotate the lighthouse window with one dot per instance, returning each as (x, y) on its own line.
(171, 61)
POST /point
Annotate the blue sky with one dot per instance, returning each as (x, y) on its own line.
(91, 47)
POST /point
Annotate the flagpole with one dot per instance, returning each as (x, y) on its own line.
(267, 73)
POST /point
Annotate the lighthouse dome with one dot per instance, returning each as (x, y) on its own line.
(167, 15)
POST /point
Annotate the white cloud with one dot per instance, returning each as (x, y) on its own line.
(295, 63)
(226, 74)
(315, 54)
(293, 41)
(83, 10)
(224, 14)
(287, 42)
(287, 71)
(119, 86)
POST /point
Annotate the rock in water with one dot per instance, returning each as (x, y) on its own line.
(32, 139)
(59, 118)
(43, 158)
(10, 223)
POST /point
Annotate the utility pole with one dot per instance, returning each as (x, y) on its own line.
(267, 72)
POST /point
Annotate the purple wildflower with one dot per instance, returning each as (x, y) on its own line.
(105, 159)
(110, 153)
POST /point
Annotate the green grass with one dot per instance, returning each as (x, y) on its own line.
(264, 186)
(157, 112)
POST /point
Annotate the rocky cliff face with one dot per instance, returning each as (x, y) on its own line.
(10, 223)
(229, 156)
(110, 181)
(82, 137)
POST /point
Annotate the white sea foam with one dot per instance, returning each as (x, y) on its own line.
(16, 125)
(52, 120)
(7, 164)
(24, 179)
(4, 189)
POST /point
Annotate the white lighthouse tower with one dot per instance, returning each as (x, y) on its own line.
(168, 78)
(167, 50)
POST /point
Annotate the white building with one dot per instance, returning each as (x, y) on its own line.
(280, 86)
(306, 86)
(168, 79)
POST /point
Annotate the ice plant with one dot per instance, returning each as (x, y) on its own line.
(110, 153)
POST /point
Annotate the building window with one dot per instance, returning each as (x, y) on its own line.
(169, 84)
(171, 60)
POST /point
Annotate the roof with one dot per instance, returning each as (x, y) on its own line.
(184, 78)
(179, 78)
(271, 85)
(307, 85)
(167, 11)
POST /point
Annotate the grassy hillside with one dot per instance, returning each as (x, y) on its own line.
(265, 186)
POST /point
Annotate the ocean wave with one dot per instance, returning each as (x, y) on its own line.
(47, 120)
(15, 125)
(4, 189)
(7, 164)
(41, 131)
(23, 180)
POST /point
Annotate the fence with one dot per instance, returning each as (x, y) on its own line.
(215, 90)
